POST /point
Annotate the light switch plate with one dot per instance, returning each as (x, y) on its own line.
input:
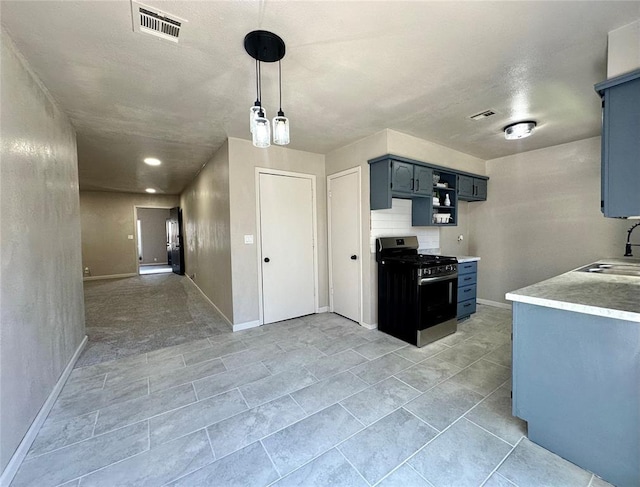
(130, 237)
(248, 239)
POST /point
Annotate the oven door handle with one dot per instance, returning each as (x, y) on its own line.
(429, 280)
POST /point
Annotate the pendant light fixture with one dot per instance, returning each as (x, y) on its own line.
(266, 47)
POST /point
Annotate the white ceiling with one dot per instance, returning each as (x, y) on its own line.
(352, 68)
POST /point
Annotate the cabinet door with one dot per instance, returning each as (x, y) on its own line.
(465, 187)
(480, 188)
(621, 150)
(402, 177)
(423, 180)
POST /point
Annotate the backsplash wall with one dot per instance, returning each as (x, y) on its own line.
(396, 222)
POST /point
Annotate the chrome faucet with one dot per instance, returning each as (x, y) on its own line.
(627, 248)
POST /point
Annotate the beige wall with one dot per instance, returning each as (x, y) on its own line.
(243, 161)
(107, 221)
(42, 322)
(207, 227)
(153, 224)
(542, 218)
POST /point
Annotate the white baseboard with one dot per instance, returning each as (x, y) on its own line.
(370, 326)
(246, 326)
(495, 304)
(110, 276)
(22, 450)
(211, 302)
(324, 309)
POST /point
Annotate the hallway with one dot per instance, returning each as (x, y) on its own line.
(312, 401)
(144, 313)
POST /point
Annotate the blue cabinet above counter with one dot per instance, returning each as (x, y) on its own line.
(620, 174)
(434, 190)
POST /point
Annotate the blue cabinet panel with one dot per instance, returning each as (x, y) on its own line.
(467, 290)
(620, 173)
(575, 381)
(466, 308)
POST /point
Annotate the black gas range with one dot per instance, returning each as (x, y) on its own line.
(417, 293)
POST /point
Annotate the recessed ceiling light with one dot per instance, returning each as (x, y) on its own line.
(152, 161)
(150, 190)
(519, 130)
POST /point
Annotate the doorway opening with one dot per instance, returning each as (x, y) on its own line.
(152, 246)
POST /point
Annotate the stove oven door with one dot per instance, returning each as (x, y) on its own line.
(437, 308)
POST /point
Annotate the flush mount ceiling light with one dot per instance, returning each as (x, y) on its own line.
(150, 190)
(152, 161)
(266, 47)
(519, 130)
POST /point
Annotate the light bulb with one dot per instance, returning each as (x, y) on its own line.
(280, 129)
(262, 132)
(519, 130)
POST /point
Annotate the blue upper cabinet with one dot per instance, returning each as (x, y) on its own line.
(472, 188)
(432, 189)
(391, 177)
(620, 184)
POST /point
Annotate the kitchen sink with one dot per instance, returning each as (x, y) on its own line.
(614, 269)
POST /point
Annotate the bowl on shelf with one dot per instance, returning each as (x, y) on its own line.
(441, 217)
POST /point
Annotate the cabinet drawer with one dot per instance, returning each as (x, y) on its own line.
(465, 308)
(467, 267)
(466, 292)
(467, 279)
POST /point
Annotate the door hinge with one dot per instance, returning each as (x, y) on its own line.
(329, 194)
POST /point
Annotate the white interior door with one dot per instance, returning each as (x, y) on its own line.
(344, 230)
(286, 237)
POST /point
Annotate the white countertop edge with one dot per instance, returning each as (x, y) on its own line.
(466, 258)
(579, 308)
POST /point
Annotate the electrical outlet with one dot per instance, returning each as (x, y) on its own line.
(460, 238)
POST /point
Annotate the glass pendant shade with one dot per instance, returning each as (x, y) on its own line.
(254, 112)
(261, 131)
(280, 129)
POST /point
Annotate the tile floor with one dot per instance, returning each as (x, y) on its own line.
(313, 401)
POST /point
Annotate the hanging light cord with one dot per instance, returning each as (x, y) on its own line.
(259, 82)
(257, 92)
(280, 83)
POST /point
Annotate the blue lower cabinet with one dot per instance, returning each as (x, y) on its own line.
(467, 279)
(466, 308)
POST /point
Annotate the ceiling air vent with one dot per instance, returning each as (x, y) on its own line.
(482, 115)
(149, 20)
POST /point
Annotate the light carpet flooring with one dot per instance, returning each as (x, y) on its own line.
(314, 401)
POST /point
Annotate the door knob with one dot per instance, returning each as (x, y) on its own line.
(354, 257)
(266, 259)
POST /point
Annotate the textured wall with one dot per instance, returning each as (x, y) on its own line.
(42, 299)
(107, 221)
(153, 223)
(542, 218)
(206, 220)
(243, 160)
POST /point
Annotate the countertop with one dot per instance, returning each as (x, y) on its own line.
(466, 258)
(605, 295)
